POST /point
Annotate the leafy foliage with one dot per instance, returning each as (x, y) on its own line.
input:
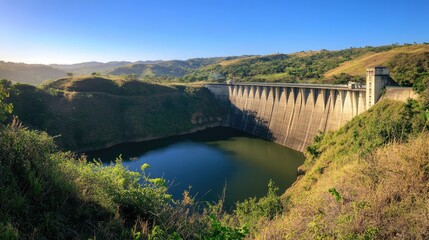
(335, 193)
(411, 70)
(5, 108)
(45, 193)
(221, 232)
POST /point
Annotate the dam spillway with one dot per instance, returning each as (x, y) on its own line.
(289, 114)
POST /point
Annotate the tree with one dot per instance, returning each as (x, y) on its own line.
(131, 77)
(5, 108)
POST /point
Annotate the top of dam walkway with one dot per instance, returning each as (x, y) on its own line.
(349, 87)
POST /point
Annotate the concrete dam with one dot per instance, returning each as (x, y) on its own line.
(293, 114)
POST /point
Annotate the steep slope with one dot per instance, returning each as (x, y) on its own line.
(357, 187)
(33, 74)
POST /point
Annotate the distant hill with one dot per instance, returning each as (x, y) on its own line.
(322, 66)
(90, 67)
(173, 68)
(33, 74)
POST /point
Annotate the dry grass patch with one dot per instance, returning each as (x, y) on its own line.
(358, 66)
(382, 196)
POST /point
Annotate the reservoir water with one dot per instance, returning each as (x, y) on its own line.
(209, 160)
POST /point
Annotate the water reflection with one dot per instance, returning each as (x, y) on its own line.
(209, 160)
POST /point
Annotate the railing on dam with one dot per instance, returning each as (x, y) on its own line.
(357, 87)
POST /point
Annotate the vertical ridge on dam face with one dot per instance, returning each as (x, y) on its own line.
(290, 115)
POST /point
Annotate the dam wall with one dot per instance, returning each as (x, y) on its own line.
(400, 93)
(289, 114)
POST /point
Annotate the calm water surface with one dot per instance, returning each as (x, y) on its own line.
(209, 160)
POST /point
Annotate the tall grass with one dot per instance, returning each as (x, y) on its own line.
(367, 180)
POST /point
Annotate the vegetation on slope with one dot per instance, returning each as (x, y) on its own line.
(357, 66)
(411, 69)
(356, 187)
(300, 67)
(92, 112)
(348, 191)
(48, 194)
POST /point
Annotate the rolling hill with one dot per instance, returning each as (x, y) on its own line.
(33, 74)
(173, 68)
(89, 67)
(321, 66)
(310, 66)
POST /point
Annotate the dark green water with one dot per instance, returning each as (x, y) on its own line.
(209, 160)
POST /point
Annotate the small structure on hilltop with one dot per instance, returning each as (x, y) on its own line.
(354, 85)
(376, 80)
(230, 81)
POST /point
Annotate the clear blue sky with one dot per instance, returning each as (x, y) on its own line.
(70, 31)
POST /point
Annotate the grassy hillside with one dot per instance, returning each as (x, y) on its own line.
(357, 187)
(95, 111)
(357, 67)
(297, 67)
(33, 74)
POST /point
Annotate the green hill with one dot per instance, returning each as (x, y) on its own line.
(91, 112)
(173, 68)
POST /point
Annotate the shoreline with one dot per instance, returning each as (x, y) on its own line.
(144, 139)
